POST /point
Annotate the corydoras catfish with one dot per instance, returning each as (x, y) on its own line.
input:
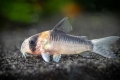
(57, 42)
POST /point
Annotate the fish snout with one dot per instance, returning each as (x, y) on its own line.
(25, 48)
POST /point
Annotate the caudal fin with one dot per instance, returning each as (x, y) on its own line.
(102, 46)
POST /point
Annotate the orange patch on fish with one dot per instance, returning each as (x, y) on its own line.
(45, 35)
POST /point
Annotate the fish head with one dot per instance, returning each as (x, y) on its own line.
(35, 43)
(30, 45)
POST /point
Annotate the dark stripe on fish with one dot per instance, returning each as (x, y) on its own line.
(33, 43)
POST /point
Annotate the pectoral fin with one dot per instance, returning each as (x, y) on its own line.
(56, 57)
(46, 56)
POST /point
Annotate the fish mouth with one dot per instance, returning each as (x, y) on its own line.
(22, 50)
(24, 54)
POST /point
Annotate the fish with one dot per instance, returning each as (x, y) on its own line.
(57, 42)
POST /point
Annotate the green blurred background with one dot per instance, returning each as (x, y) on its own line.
(27, 12)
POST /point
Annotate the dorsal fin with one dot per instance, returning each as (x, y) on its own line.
(63, 26)
(83, 37)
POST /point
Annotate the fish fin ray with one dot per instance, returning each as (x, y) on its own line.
(102, 46)
(46, 56)
(63, 26)
(83, 37)
(56, 57)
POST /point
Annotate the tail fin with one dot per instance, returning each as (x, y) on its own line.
(102, 46)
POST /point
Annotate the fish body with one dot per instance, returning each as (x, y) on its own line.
(63, 43)
(57, 41)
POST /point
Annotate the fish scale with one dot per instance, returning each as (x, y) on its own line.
(66, 44)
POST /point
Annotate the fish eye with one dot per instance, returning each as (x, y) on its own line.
(32, 41)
